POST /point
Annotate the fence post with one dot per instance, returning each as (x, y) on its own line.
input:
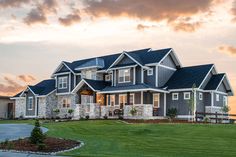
(216, 118)
(196, 116)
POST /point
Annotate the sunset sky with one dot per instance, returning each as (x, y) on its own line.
(36, 35)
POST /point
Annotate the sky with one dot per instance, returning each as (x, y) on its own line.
(36, 35)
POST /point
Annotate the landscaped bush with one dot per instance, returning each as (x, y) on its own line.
(70, 111)
(171, 113)
(105, 117)
(133, 111)
(87, 117)
(37, 135)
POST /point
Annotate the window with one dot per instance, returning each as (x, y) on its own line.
(200, 96)
(131, 99)
(124, 75)
(150, 71)
(187, 95)
(62, 82)
(108, 77)
(225, 101)
(112, 100)
(175, 96)
(66, 103)
(217, 97)
(123, 99)
(156, 100)
(30, 103)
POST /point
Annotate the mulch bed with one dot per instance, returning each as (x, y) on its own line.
(51, 145)
(152, 121)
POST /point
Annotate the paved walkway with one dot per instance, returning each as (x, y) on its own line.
(16, 131)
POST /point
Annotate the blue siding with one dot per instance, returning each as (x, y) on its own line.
(63, 90)
(125, 60)
(168, 61)
(138, 74)
(222, 88)
(150, 80)
(63, 69)
(200, 103)
(164, 75)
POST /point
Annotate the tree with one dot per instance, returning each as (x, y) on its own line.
(225, 109)
(37, 135)
(191, 102)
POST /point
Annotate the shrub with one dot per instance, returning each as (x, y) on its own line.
(81, 118)
(41, 146)
(171, 113)
(37, 135)
(87, 117)
(206, 119)
(70, 111)
(133, 111)
(121, 117)
(105, 117)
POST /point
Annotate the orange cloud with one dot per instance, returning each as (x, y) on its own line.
(142, 27)
(12, 3)
(186, 26)
(153, 10)
(233, 11)
(14, 86)
(70, 18)
(26, 78)
(39, 14)
(228, 49)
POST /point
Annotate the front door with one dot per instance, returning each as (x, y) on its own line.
(86, 100)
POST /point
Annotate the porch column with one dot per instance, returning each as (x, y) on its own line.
(94, 97)
(164, 104)
(128, 98)
(105, 99)
(141, 97)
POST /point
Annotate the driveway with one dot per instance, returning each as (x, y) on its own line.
(16, 131)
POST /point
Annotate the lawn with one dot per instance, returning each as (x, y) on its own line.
(113, 138)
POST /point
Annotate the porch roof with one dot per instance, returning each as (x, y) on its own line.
(131, 88)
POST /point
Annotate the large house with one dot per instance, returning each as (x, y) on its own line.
(150, 81)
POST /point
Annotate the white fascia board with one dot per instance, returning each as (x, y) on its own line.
(220, 83)
(134, 90)
(206, 76)
(41, 96)
(180, 90)
(209, 91)
(62, 63)
(82, 82)
(232, 91)
(176, 57)
(124, 67)
(89, 67)
(64, 73)
(117, 60)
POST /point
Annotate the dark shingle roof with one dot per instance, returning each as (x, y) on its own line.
(214, 82)
(187, 76)
(44, 87)
(129, 87)
(97, 84)
(143, 56)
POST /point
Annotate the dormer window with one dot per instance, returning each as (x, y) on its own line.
(62, 82)
(150, 72)
(124, 75)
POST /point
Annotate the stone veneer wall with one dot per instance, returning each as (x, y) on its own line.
(143, 111)
(73, 100)
(20, 107)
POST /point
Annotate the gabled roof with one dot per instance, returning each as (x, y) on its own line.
(143, 56)
(187, 76)
(42, 88)
(95, 85)
(214, 82)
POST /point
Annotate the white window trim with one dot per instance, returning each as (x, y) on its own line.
(217, 97)
(187, 95)
(31, 104)
(200, 96)
(150, 72)
(158, 100)
(61, 78)
(124, 76)
(225, 100)
(173, 96)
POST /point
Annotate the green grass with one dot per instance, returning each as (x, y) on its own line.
(116, 139)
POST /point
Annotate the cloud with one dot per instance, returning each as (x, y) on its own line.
(39, 14)
(142, 27)
(233, 11)
(153, 10)
(70, 19)
(14, 85)
(26, 78)
(228, 49)
(186, 26)
(12, 3)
